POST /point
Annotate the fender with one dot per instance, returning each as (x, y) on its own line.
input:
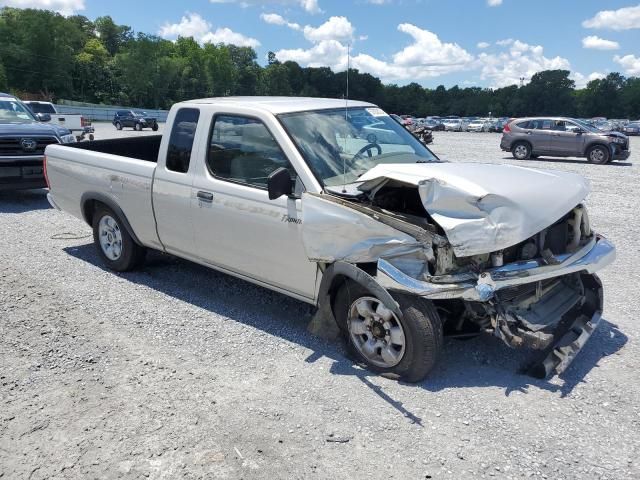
(109, 202)
(358, 275)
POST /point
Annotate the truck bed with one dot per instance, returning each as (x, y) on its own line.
(142, 148)
(118, 171)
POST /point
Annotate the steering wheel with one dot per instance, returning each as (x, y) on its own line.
(367, 148)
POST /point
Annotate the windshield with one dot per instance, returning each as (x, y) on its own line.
(353, 141)
(586, 126)
(14, 111)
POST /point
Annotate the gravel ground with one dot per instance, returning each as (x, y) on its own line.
(177, 371)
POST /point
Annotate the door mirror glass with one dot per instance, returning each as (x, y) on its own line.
(279, 183)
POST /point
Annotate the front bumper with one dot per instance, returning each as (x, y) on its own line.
(621, 154)
(557, 324)
(595, 255)
(21, 173)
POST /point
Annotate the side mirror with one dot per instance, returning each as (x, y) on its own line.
(579, 131)
(279, 183)
(43, 117)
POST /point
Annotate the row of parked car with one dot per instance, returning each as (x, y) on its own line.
(477, 124)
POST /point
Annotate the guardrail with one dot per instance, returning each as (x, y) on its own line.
(106, 113)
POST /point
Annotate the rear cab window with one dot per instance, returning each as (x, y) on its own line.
(180, 146)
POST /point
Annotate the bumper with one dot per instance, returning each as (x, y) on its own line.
(621, 155)
(594, 256)
(22, 175)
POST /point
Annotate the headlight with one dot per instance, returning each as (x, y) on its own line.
(619, 140)
(71, 138)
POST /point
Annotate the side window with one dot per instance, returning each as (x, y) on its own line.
(243, 150)
(526, 124)
(181, 139)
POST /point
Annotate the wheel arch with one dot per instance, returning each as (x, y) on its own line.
(336, 274)
(596, 143)
(90, 201)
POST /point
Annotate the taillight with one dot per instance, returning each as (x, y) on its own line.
(85, 122)
(44, 170)
(507, 128)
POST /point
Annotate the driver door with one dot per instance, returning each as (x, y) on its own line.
(237, 227)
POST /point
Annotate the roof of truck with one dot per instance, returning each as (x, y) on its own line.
(277, 105)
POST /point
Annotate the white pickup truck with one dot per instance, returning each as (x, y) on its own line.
(394, 246)
(79, 125)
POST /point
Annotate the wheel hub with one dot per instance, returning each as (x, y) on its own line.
(376, 332)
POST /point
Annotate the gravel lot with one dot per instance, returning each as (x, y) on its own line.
(179, 371)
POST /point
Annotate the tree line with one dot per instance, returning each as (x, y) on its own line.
(55, 57)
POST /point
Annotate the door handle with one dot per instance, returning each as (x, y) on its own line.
(205, 196)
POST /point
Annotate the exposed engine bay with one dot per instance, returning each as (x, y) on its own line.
(536, 290)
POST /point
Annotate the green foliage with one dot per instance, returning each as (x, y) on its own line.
(102, 62)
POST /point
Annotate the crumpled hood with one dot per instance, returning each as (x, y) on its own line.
(485, 207)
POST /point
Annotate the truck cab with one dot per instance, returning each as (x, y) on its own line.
(23, 139)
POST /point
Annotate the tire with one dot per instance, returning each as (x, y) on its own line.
(118, 126)
(533, 157)
(115, 246)
(521, 151)
(137, 127)
(598, 154)
(155, 127)
(418, 346)
(91, 137)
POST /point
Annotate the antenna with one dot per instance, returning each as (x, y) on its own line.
(346, 119)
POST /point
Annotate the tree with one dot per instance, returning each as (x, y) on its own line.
(550, 92)
(3, 78)
(112, 36)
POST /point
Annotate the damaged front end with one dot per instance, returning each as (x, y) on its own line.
(525, 276)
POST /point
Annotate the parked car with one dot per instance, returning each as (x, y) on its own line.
(23, 138)
(433, 125)
(135, 119)
(562, 137)
(383, 238)
(632, 128)
(481, 125)
(455, 125)
(79, 125)
(497, 126)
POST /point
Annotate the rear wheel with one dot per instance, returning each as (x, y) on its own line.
(521, 151)
(406, 348)
(155, 127)
(598, 154)
(115, 246)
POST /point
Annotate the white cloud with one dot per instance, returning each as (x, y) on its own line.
(193, 25)
(630, 63)
(378, 2)
(310, 6)
(596, 43)
(582, 80)
(519, 60)
(494, 3)
(483, 45)
(275, 19)
(622, 19)
(64, 7)
(336, 28)
(427, 56)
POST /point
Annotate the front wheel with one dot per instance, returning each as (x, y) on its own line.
(155, 127)
(521, 151)
(118, 126)
(137, 127)
(406, 348)
(598, 154)
(115, 246)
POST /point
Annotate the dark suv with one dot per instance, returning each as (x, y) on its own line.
(134, 119)
(562, 137)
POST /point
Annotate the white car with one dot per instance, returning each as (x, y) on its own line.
(389, 242)
(454, 125)
(479, 126)
(79, 125)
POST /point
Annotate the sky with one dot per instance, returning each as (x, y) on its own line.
(486, 43)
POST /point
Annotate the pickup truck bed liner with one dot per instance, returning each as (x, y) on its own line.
(142, 147)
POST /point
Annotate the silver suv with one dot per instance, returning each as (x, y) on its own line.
(562, 137)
